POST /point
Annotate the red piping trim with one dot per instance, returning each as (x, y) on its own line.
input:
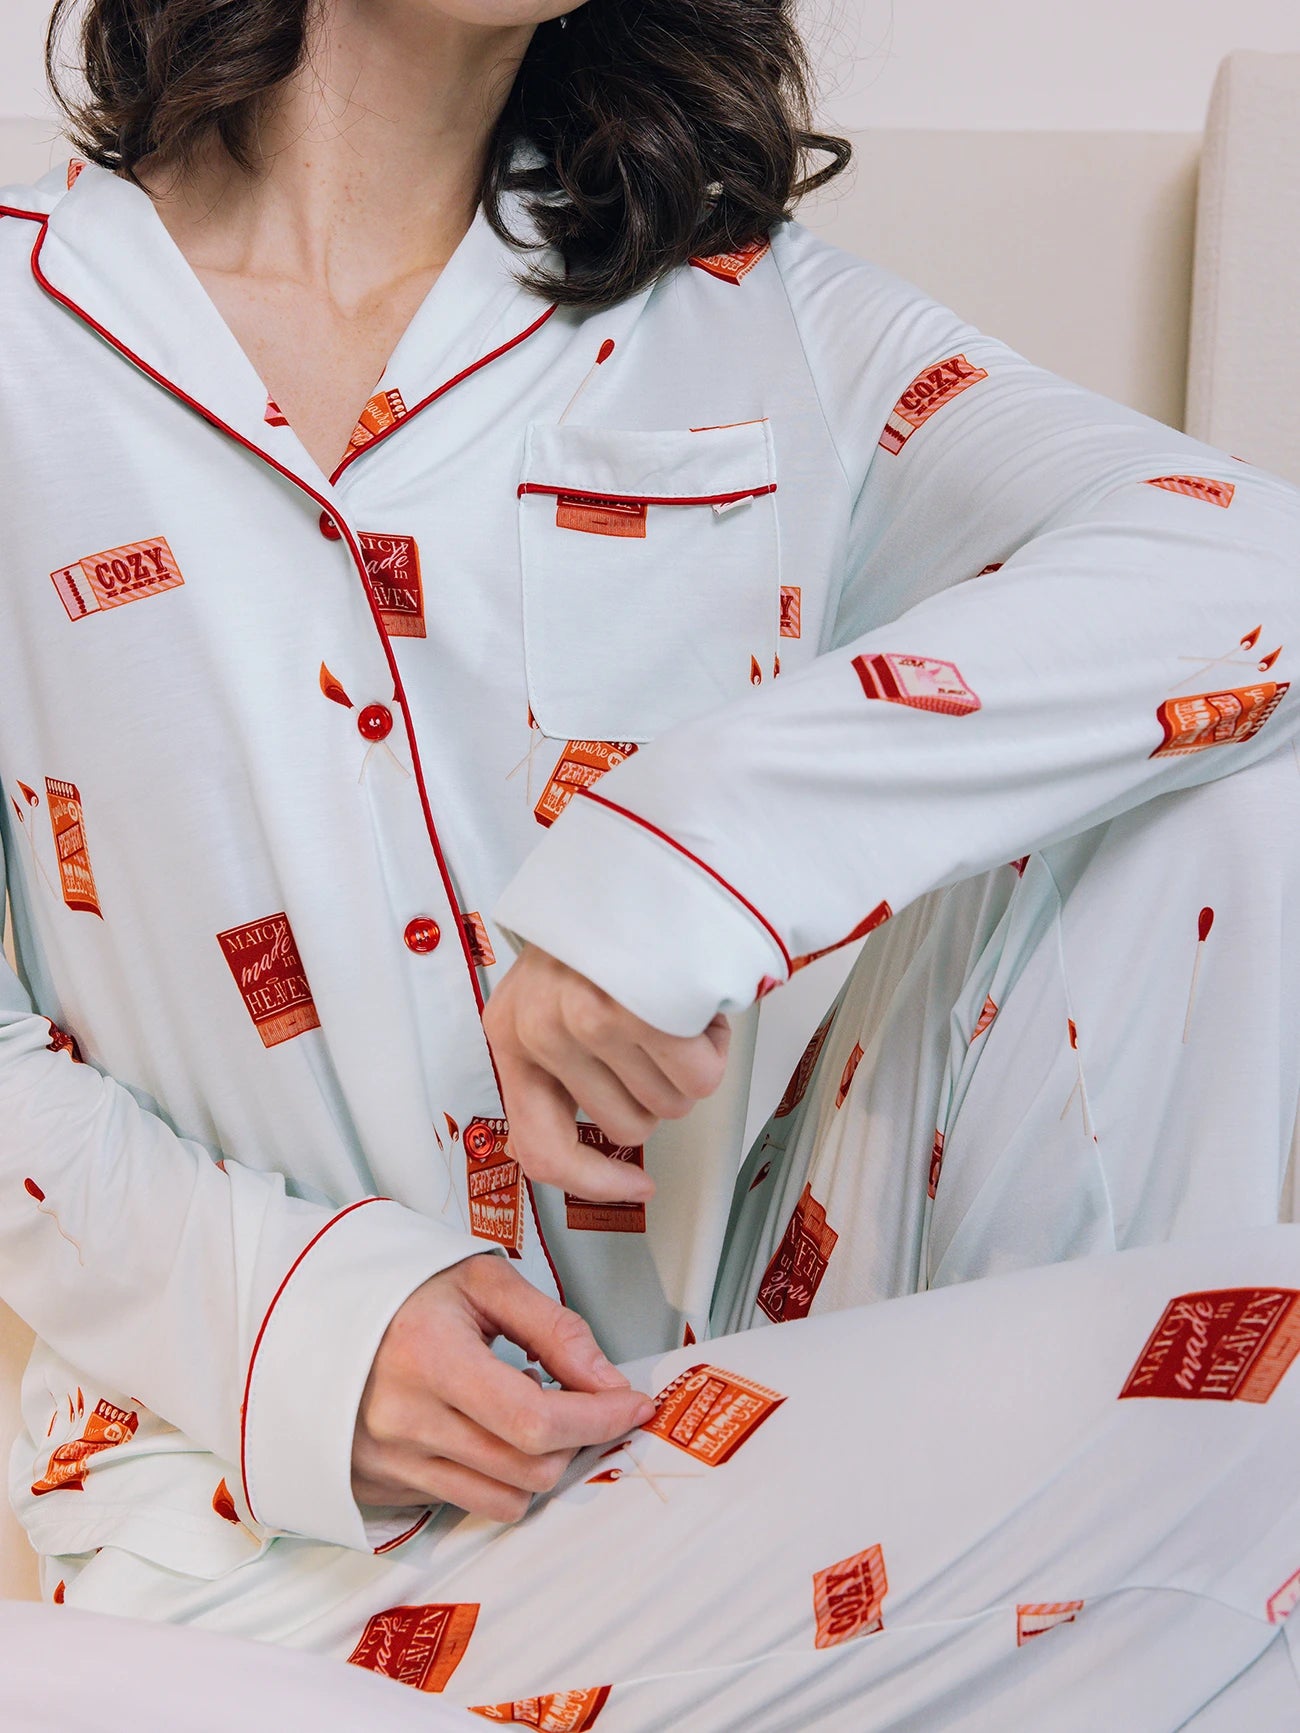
(266, 1319)
(648, 499)
(603, 800)
(401, 1538)
(433, 396)
(358, 561)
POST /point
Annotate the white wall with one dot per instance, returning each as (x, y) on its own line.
(1034, 65)
(988, 65)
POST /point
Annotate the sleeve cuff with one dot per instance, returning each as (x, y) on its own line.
(310, 1361)
(642, 917)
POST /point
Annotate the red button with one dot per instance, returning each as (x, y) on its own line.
(422, 935)
(329, 529)
(375, 722)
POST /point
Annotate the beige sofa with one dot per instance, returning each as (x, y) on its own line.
(1089, 252)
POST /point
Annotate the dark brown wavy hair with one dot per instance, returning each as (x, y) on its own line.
(666, 128)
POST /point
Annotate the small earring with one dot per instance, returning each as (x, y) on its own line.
(564, 21)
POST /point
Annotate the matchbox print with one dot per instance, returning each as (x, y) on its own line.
(877, 918)
(273, 415)
(1197, 487)
(848, 1598)
(383, 411)
(920, 682)
(1222, 1345)
(105, 1426)
(734, 267)
(495, 1184)
(480, 945)
(602, 517)
(797, 1087)
(1036, 1617)
(76, 880)
(791, 1280)
(75, 166)
(709, 1413)
(418, 1646)
(936, 1166)
(984, 1021)
(928, 393)
(61, 1041)
(1283, 1602)
(846, 1078)
(393, 577)
(1204, 719)
(582, 763)
(584, 1216)
(117, 576)
(791, 610)
(264, 960)
(557, 1712)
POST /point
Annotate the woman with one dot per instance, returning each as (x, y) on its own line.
(574, 513)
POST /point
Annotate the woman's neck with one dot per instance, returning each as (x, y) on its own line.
(368, 160)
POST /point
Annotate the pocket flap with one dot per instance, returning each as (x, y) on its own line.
(703, 467)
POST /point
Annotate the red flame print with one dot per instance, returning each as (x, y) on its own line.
(1267, 662)
(761, 1175)
(605, 351)
(776, 667)
(30, 795)
(606, 1478)
(1251, 639)
(755, 672)
(332, 689)
(453, 1130)
(33, 1190)
(1204, 921)
(688, 1338)
(1074, 1034)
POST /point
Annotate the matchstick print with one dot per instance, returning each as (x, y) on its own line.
(602, 356)
(31, 799)
(1204, 924)
(637, 1470)
(38, 1196)
(1234, 658)
(1080, 1086)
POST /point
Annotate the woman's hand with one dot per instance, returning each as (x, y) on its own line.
(561, 1044)
(442, 1418)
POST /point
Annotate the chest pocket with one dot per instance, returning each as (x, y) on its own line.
(651, 575)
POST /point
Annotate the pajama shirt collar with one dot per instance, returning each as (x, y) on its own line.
(105, 254)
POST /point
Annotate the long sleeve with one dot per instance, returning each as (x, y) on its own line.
(1053, 609)
(244, 1316)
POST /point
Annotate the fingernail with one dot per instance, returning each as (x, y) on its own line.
(646, 1411)
(608, 1375)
